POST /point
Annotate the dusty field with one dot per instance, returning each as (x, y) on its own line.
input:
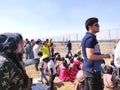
(105, 48)
(58, 85)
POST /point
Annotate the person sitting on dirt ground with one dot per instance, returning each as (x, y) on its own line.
(64, 71)
(79, 80)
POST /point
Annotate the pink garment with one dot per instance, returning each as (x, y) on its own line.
(77, 63)
(108, 76)
(79, 74)
(63, 73)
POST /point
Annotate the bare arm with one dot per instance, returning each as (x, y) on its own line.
(92, 56)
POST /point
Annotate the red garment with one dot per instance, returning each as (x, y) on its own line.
(72, 73)
(77, 62)
(63, 73)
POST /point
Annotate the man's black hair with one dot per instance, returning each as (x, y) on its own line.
(90, 22)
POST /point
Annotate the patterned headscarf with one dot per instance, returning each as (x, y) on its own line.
(9, 41)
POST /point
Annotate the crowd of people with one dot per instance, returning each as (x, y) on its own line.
(86, 69)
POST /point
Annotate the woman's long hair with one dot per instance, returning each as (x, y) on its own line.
(8, 48)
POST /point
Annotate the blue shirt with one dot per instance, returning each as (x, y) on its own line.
(69, 45)
(90, 41)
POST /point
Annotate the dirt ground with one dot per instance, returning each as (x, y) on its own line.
(58, 85)
(105, 48)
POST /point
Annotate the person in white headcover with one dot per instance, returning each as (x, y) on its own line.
(117, 59)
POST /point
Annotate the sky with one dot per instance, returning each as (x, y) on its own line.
(48, 18)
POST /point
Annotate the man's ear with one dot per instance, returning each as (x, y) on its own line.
(89, 27)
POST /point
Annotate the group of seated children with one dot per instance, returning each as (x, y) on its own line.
(70, 69)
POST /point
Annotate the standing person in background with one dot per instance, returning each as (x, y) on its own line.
(52, 48)
(92, 56)
(69, 46)
(28, 50)
(32, 43)
(45, 49)
(12, 72)
(117, 59)
(26, 41)
(48, 43)
(42, 69)
(36, 49)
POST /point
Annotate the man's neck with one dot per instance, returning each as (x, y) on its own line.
(90, 31)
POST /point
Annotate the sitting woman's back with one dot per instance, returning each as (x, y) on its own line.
(63, 71)
(108, 83)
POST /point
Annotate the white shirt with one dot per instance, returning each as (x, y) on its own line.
(117, 55)
(75, 59)
(36, 50)
(51, 65)
(43, 64)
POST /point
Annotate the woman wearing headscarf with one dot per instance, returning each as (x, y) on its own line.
(12, 72)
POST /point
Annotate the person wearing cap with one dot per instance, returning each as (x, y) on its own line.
(51, 69)
(36, 48)
(92, 56)
(12, 73)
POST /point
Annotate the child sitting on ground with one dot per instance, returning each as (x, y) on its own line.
(64, 70)
(58, 63)
(108, 84)
(73, 71)
(79, 81)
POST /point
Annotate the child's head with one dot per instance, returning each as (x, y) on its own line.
(67, 56)
(103, 63)
(40, 54)
(112, 63)
(75, 55)
(79, 52)
(71, 60)
(65, 64)
(58, 57)
(62, 59)
(77, 64)
(80, 59)
(108, 69)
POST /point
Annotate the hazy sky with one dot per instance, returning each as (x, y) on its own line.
(44, 18)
